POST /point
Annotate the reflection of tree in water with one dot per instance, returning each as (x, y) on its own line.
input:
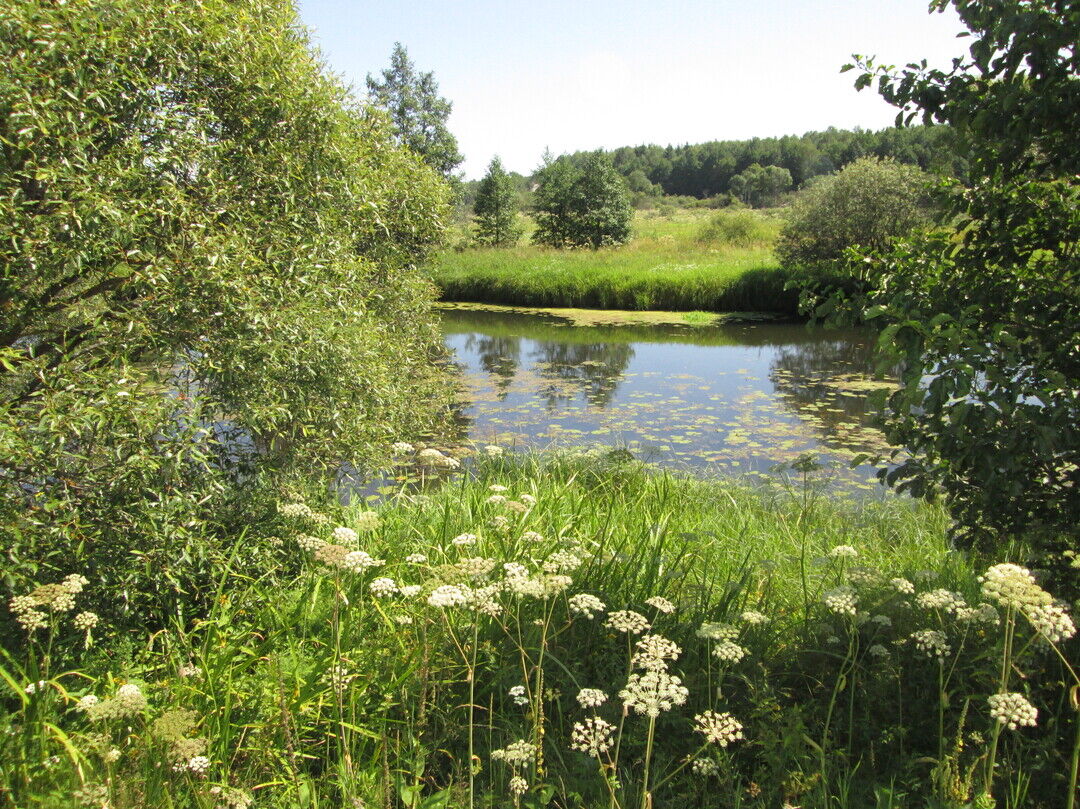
(500, 358)
(594, 369)
(823, 382)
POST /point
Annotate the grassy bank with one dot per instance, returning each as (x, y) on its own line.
(433, 654)
(691, 260)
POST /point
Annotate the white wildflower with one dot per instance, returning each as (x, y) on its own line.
(1013, 710)
(591, 697)
(411, 590)
(931, 643)
(345, 536)
(1052, 622)
(532, 536)
(493, 451)
(476, 567)
(366, 520)
(296, 511)
(402, 448)
(585, 604)
(416, 558)
(498, 488)
(497, 499)
(198, 764)
(527, 499)
(714, 631)
(841, 600)
(592, 737)
(653, 652)
(753, 617)
(877, 650)
(516, 753)
(447, 595)
(517, 693)
(85, 621)
(843, 552)
(651, 692)
(902, 586)
(705, 767)
(718, 728)
(728, 651)
(1013, 586)
(464, 539)
(518, 785)
(660, 604)
(383, 587)
(633, 623)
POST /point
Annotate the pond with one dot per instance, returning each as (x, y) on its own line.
(734, 397)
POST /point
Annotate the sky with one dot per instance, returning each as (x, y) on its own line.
(569, 75)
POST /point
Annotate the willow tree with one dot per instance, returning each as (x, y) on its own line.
(207, 268)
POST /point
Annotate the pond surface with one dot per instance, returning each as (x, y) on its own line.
(735, 398)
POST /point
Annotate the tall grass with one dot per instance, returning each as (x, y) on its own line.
(316, 681)
(685, 263)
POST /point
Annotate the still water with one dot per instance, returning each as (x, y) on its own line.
(735, 398)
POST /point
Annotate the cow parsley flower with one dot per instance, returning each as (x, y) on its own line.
(517, 693)
(416, 558)
(532, 536)
(654, 691)
(660, 604)
(1052, 622)
(877, 650)
(902, 586)
(1014, 587)
(498, 488)
(493, 451)
(462, 540)
(591, 697)
(753, 617)
(476, 567)
(401, 448)
(345, 536)
(931, 643)
(715, 631)
(296, 511)
(705, 767)
(383, 587)
(728, 651)
(585, 604)
(653, 652)
(366, 521)
(718, 728)
(633, 623)
(527, 499)
(592, 737)
(841, 600)
(518, 785)
(1013, 710)
(516, 753)
(843, 552)
(447, 595)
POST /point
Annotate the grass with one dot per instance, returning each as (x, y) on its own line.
(298, 686)
(694, 260)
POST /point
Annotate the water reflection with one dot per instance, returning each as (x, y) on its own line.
(734, 397)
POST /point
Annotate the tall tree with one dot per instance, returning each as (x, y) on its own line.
(582, 207)
(417, 112)
(496, 208)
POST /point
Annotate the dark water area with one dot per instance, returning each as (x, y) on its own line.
(732, 398)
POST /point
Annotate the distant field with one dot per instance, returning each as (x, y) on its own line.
(668, 265)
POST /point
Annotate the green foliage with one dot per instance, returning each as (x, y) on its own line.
(706, 170)
(867, 204)
(495, 208)
(207, 274)
(760, 186)
(987, 321)
(737, 228)
(303, 684)
(581, 207)
(417, 112)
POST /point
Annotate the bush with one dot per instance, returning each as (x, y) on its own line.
(586, 207)
(737, 228)
(207, 274)
(868, 203)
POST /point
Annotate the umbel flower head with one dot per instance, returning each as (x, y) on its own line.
(841, 600)
(713, 631)
(931, 643)
(633, 623)
(592, 737)
(516, 753)
(1014, 587)
(728, 651)
(653, 652)
(652, 692)
(585, 604)
(1013, 710)
(718, 728)
(591, 697)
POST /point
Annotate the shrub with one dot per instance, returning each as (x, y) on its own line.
(868, 203)
(737, 228)
(206, 268)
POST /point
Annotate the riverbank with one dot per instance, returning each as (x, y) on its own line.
(678, 263)
(475, 645)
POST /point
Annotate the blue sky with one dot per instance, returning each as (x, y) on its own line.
(589, 74)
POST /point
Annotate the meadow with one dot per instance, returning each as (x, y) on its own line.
(565, 630)
(679, 259)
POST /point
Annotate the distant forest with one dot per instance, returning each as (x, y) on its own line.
(707, 169)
